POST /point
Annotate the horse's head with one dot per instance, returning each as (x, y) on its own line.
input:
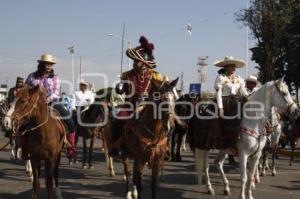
(164, 94)
(24, 107)
(281, 97)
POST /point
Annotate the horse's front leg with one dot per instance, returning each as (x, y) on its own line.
(243, 169)
(210, 190)
(154, 179)
(13, 149)
(49, 170)
(179, 143)
(137, 179)
(219, 163)
(173, 142)
(273, 161)
(36, 180)
(253, 162)
(84, 153)
(28, 169)
(264, 162)
(56, 173)
(183, 145)
(91, 152)
(127, 178)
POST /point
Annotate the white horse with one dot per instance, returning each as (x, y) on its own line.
(272, 144)
(252, 136)
(251, 143)
(16, 150)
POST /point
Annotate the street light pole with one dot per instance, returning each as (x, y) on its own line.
(72, 51)
(128, 43)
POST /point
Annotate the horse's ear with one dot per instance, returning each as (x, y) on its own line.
(174, 82)
(33, 89)
(282, 79)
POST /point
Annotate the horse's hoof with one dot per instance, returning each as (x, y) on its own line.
(227, 192)
(134, 192)
(91, 167)
(112, 174)
(274, 174)
(253, 186)
(263, 174)
(211, 192)
(84, 167)
(129, 195)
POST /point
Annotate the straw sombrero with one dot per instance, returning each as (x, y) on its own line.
(82, 82)
(252, 78)
(230, 60)
(136, 54)
(47, 58)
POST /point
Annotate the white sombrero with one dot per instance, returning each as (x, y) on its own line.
(82, 82)
(230, 60)
(47, 58)
(252, 78)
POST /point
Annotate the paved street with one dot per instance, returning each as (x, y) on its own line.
(179, 180)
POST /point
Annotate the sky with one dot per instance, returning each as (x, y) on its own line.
(33, 27)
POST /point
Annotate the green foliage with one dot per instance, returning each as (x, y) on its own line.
(275, 26)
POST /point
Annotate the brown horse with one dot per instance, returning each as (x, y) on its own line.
(30, 117)
(293, 133)
(145, 138)
(94, 121)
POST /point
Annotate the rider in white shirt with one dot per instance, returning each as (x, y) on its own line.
(252, 84)
(83, 97)
(228, 83)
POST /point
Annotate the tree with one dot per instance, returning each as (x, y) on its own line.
(274, 25)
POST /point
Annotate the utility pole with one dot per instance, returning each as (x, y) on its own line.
(72, 51)
(202, 74)
(181, 87)
(80, 70)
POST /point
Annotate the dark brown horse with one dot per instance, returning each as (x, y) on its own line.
(184, 109)
(293, 133)
(31, 117)
(94, 121)
(145, 138)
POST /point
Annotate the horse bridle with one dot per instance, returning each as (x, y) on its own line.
(16, 118)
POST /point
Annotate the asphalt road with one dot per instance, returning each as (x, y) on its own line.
(179, 180)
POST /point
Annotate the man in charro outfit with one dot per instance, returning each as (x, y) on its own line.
(252, 84)
(138, 89)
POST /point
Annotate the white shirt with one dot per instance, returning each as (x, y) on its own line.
(225, 87)
(83, 98)
(253, 90)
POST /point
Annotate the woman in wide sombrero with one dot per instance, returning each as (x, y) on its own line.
(221, 132)
(230, 88)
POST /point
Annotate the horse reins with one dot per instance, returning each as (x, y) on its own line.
(17, 118)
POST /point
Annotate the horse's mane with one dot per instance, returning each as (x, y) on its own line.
(257, 95)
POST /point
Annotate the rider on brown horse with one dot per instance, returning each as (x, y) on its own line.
(140, 78)
(45, 78)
